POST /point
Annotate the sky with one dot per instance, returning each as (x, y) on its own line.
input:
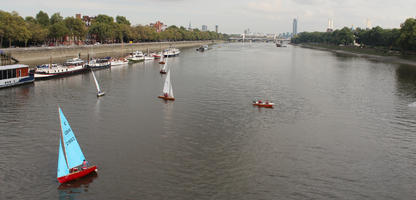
(232, 16)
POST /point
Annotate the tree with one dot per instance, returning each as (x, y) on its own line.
(122, 20)
(57, 31)
(56, 18)
(42, 18)
(407, 38)
(76, 28)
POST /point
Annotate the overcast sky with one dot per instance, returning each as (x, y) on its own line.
(233, 16)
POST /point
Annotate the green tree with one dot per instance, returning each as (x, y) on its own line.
(42, 18)
(122, 20)
(57, 31)
(56, 18)
(76, 28)
(407, 38)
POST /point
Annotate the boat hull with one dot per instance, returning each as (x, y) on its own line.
(167, 98)
(263, 105)
(100, 94)
(162, 63)
(77, 175)
(21, 81)
(44, 76)
(163, 72)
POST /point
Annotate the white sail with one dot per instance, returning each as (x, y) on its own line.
(96, 82)
(167, 88)
(164, 66)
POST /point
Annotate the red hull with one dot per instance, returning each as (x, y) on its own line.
(76, 175)
(263, 105)
(167, 98)
(162, 63)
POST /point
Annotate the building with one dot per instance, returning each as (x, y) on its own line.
(190, 26)
(330, 25)
(204, 28)
(247, 32)
(216, 28)
(159, 26)
(295, 27)
(86, 19)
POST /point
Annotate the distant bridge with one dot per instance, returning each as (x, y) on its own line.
(257, 39)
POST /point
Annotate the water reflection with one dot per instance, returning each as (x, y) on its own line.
(71, 190)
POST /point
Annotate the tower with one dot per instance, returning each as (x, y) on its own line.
(295, 27)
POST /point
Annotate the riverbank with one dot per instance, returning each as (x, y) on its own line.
(369, 53)
(37, 55)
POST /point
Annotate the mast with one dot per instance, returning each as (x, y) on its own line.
(96, 82)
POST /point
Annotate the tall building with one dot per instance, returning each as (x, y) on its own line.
(330, 25)
(368, 24)
(216, 28)
(204, 28)
(190, 26)
(295, 27)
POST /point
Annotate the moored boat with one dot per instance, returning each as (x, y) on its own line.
(100, 63)
(135, 57)
(171, 52)
(72, 164)
(117, 62)
(17, 74)
(70, 67)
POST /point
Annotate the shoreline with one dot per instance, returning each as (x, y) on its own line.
(374, 57)
(38, 55)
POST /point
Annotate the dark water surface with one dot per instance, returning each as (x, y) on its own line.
(341, 129)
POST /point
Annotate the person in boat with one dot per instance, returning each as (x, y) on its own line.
(84, 165)
(165, 94)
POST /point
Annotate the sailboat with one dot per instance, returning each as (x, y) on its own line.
(162, 59)
(99, 92)
(163, 70)
(167, 89)
(70, 157)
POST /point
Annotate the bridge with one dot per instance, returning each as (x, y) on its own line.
(257, 39)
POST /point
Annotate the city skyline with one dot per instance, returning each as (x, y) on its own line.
(266, 16)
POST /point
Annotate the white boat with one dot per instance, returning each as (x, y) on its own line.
(71, 66)
(100, 63)
(117, 62)
(136, 56)
(167, 92)
(11, 75)
(149, 58)
(171, 52)
(99, 92)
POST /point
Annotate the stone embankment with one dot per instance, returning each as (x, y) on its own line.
(36, 55)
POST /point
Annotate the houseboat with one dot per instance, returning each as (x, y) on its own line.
(12, 75)
(71, 66)
(100, 63)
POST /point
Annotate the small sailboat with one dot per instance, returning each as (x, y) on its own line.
(265, 104)
(163, 70)
(162, 60)
(99, 92)
(167, 89)
(71, 161)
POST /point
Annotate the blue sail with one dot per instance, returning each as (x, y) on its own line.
(71, 149)
(63, 169)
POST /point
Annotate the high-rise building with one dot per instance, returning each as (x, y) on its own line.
(295, 27)
(204, 28)
(190, 26)
(216, 28)
(330, 25)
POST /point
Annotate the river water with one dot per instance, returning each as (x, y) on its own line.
(341, 129)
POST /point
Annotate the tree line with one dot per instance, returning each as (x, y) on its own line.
(44, 30)
(403, 39)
